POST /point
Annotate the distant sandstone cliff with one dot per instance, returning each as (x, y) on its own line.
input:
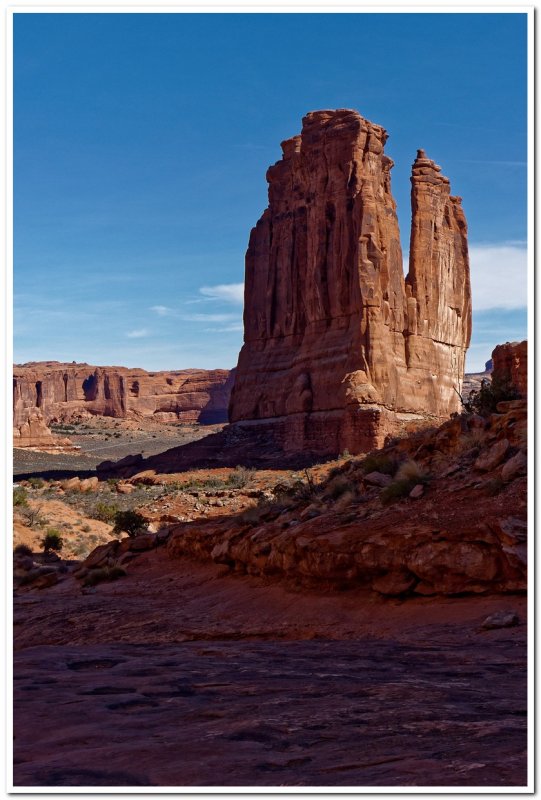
(61, 392)
(338, 346)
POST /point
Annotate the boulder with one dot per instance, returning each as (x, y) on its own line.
(89, 484)
(517, 465)
(494, 456)
(377, 479)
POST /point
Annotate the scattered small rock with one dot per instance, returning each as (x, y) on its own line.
(417, 491)
(501, 619)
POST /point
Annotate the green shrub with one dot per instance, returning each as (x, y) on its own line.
(103, 574)
(22, 550)
(130, 522)
(20, 496)
(36, 483)
(52, 541)
(486, 398)
(86, 528)
(105, 512)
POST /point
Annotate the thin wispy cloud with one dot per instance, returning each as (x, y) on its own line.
(140, 333)
(236, 326)
(162, 311)
(228, 292)
(209, 317)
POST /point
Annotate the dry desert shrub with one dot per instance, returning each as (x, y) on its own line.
(240, 477)
(22, 550)
(409, 474)
(411, 470)
(339, 486)
(104, 574)
(345, 500)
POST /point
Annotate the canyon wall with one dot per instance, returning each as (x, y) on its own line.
(339, 348)
(62, 392)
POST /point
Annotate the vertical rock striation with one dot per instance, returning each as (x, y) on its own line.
(338, 347)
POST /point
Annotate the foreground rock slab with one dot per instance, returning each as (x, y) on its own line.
(181, 675)
(314, 713)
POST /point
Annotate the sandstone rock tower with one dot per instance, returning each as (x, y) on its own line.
(338, 346)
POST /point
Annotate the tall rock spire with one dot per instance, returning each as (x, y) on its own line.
(336, 344)
(437, 285)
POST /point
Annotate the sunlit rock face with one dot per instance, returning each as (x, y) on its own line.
(338, 347)
(510, 362)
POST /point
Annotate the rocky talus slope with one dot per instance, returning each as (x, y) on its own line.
(439, 512)
(338, 346)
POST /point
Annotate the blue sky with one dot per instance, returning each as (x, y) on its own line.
(141, 143)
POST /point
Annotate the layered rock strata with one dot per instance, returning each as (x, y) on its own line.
(338, 347)
(510, 362)
(62, 392)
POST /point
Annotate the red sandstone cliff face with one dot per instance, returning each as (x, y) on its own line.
(511, 365)
(337, 344)
(63, 391)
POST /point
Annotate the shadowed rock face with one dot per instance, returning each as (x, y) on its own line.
(337, 344)
(62, 391)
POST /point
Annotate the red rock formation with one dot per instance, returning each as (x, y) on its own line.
(32, 431)
(338, 347)
(511, 365)
(64, 391)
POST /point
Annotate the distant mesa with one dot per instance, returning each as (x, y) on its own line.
(339, 349)
(55, 392)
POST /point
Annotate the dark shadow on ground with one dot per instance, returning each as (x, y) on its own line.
(233, 446)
